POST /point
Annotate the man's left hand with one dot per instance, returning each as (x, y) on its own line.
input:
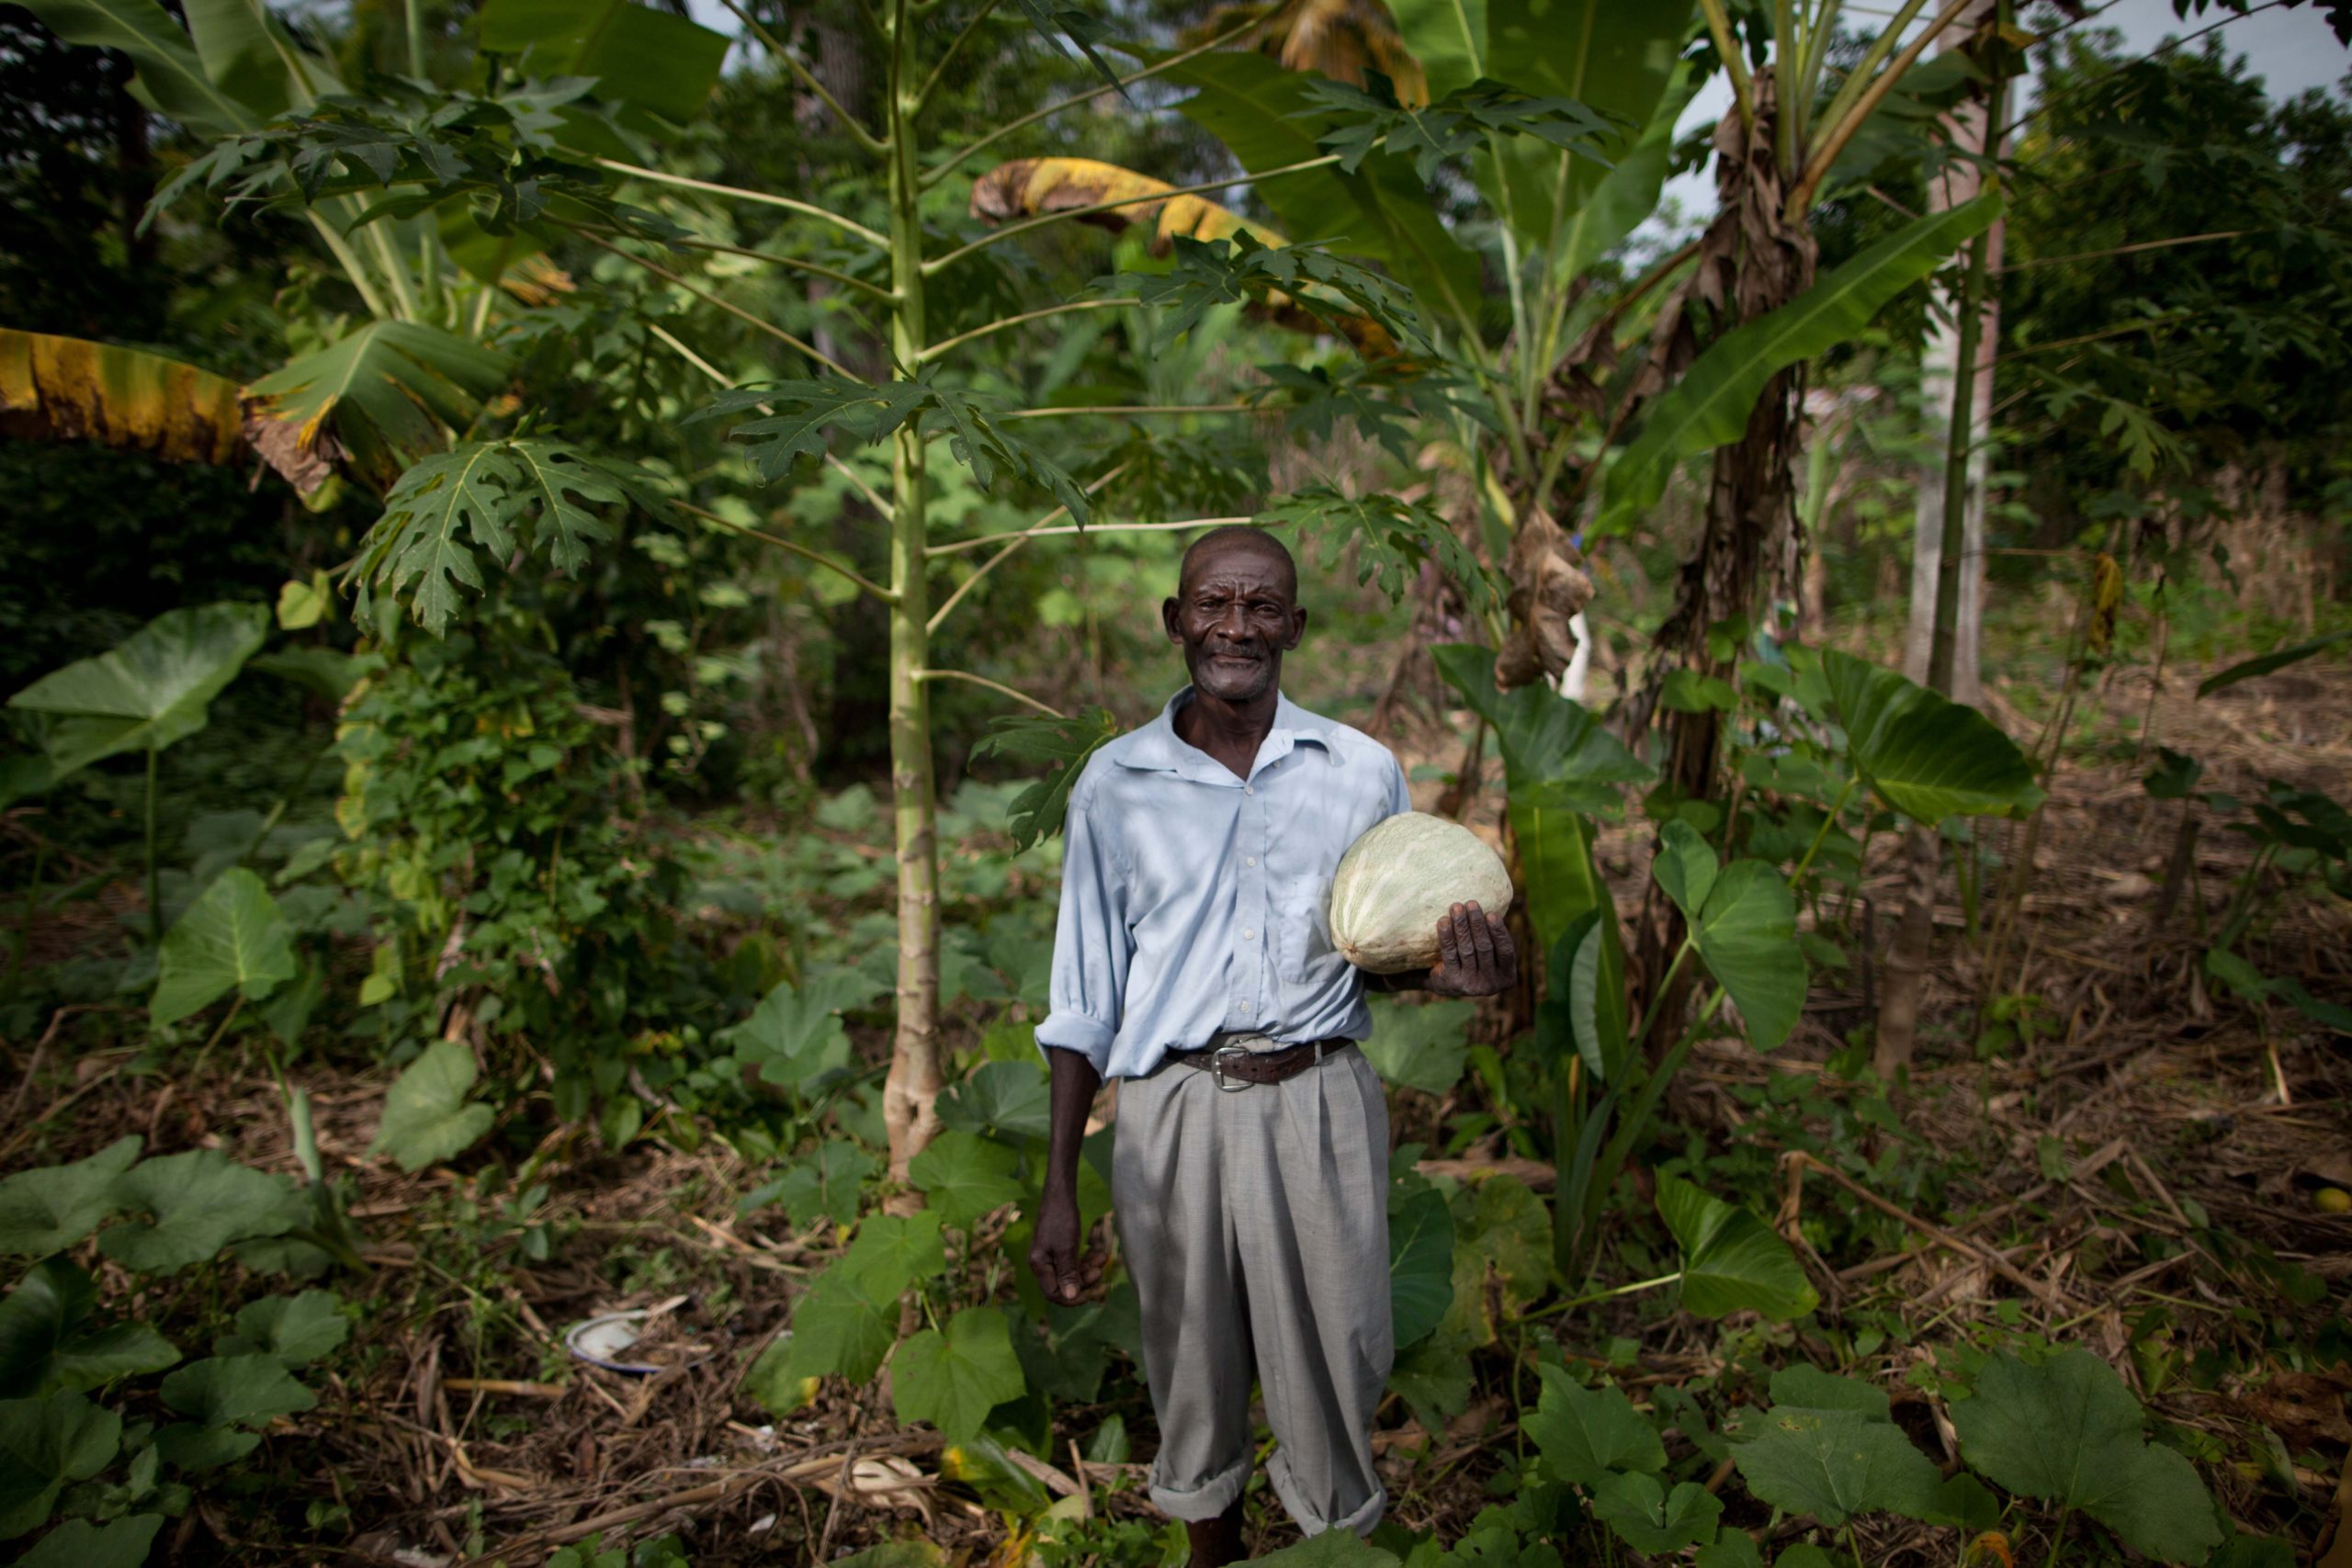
(1475, 955)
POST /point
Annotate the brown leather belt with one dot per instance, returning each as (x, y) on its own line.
(1235, 1068)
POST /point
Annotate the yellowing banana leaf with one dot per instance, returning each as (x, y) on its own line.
(65, 388)
(1031, 187)
(381, 396)
(1338, 39)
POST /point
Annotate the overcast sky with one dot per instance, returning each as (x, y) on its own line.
(2288, 49)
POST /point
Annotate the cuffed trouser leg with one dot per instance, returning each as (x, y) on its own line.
(1256, 1226)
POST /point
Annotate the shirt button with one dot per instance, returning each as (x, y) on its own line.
(1248, 789)
(1248, 936)
(1249, 860)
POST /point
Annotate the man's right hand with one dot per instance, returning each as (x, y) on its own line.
(1058, 1254)
(1057, 1257)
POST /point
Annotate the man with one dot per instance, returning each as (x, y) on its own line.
(1192, 960)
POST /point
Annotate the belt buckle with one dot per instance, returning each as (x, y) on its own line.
(1217, 1058)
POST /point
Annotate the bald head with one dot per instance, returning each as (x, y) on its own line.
(1239, 539)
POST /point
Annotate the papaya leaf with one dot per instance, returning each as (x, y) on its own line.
(427, 1117)
(2068, 1431)
(234, 938)
(50, 1209)
(1730, 1261)
(1420, 1265)
(1456, 126)
(1393, 540)
(153, 688)
(197, 1203)
(1588, 1434)
(45, 1443)
(1064, 745)
(953, 1378)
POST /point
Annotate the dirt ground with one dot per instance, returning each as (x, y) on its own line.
(471, 1426)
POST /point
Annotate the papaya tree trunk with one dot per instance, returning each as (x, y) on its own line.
(915, 1077)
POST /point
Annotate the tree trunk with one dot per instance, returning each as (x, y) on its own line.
(915, 1079)
(1966, 126)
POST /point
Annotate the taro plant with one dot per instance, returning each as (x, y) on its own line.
(76, 1451)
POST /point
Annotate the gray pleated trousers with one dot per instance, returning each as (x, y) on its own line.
(1255, 1223)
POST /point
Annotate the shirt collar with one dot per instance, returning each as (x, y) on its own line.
(1158, 748)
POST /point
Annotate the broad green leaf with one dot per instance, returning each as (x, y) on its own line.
(50, 1209)
(191, 1445)
(153, 688)
(1332, 1549)
(1710, 406)
(1807, 1387)
(1584, 1434)
(427, 1117)
(1266, 117)
(1063, 745)
(966, 1177)
(1927, 756)
(246, 51)
(842, 1326)
(639, 56)
(78, 1543)
(1746, 937)
(1730, 1261)
(2278, 659)
(232, 938)
(1626, 195)
(1433, 1380)
(1564, 880)
(826, 1185)
(1685, 867)
(2068, 1431)
(1420, 1265)
(236, 1391)
(298, 1330)
(197, 1203)
(1596, 993)
(1835, 1463)
(1512, 1231)
(894, 1251)
(44, 1444)
(796, 1040)
(1649, 1519)
(1424, 1047)
(1011, 1098)
(172, 79)
(43, 1345)
(1547, 739)
(387, 393)
(1732, 1549)
(953, 1379)
(896, 1554)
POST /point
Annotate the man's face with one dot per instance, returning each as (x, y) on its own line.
(1236, 614)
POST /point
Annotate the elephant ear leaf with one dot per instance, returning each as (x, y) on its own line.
(427, 1114)
(1731, 1260)
(50, 1209)
(1924, 755)
(197, 1203)
(1746, 934)
(153, 688)
(234, 938)
(2068, 1431)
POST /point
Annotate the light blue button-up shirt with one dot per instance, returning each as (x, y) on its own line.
(1192, 901)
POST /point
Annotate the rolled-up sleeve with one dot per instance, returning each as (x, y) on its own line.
(1091, 944)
